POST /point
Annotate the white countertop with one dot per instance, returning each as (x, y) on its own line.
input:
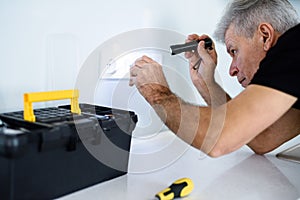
(158, 161)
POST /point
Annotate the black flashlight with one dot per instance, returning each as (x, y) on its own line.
(190, 46)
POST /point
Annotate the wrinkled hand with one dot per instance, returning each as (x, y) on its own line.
(205, 72)
(147, 75)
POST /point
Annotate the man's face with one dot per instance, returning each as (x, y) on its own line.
(246, 54)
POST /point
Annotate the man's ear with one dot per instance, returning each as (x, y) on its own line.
(267, 34)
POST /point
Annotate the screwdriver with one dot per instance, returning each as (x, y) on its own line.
(180, 188)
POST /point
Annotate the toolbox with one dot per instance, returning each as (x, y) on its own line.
(46, 153)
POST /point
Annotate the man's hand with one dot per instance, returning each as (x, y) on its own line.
(207, 59)
(147, 75)
(203, 64)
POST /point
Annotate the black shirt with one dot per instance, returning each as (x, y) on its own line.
(280, 69)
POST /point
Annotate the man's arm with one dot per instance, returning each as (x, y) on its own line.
(283, 130)
(250, 114)
(211, 91)
(214, 130)
(224, 129)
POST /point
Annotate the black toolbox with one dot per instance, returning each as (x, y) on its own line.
(62, 152)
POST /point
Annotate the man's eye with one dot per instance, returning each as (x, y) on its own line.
(233, 52)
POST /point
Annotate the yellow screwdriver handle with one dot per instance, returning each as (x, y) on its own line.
(180, 188)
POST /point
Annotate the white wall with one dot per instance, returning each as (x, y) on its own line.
(45, 42)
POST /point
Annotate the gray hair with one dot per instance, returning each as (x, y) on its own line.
(246, 15)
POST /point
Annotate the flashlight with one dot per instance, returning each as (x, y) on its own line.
(190, 46)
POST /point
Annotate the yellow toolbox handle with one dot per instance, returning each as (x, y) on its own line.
(29, 98)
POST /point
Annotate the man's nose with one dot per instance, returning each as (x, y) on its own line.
(233, 70)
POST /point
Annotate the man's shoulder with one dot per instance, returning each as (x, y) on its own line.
(291, 35)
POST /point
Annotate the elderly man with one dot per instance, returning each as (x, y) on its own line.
(262, 38)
